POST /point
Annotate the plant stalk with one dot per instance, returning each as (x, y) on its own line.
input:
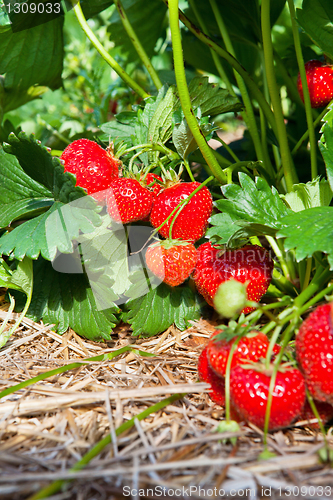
(137, 45)
(106, 56)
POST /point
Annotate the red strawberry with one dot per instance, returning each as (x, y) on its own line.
(314, 352)
(128, 201)
(152, 185)
(94, 167)
(251, 347)
(251, 264)
(325, 411)
(249, 392)
(192, 221)
(171, 260)
(319, 77)
(206, 374)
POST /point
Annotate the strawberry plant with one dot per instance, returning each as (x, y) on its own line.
(257, 210)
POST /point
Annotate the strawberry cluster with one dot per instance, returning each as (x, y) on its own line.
(179, 211)
(250, 377)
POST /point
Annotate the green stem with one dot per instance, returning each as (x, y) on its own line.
(184, 95)
(99, 447)
(106, 56)
(287, 163)
(248, 117)
(227, 378)
(188, 169)
(306, 133)
(253, 87)
(137, 45)
(214, 55)
(307, 102)
(306, 280)
(227, 147)
(279, 255)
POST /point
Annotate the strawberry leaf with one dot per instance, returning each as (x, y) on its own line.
(254, 206)
(308, 232)
(316, 18)
(146, 19)
(316, 193)
(31, 60)
(38, 164)
(211, 98)
(51, 231)
(66, 300)
(160, 308)
(19, 194)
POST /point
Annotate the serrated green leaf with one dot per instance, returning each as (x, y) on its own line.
(316, 193)
(254, 206)
(316, 18)
(160, 308)
(19, 194)
(31, 61)
(160, 126)
(183, 139)
(211, 98)
(66, 300)
(146, 19)
(308, 232)
(38, 163)
(326, 144)
(52, 231)
(121, 129)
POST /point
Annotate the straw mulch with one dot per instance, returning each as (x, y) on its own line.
(47, 427)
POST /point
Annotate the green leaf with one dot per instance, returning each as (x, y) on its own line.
(160, 308)
(316, 18)
(255, 206)
(326, 144)
(160, 125)
(183, 139)
(52, 231)
(31, 61)
(308, 232)
(121, 129)
(92, 7)
(38, 163)
(66, 300)
(211, 98)
(146, 19)
(19, 194)
(316, 193)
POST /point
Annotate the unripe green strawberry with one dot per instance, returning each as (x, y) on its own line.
(230, 298)
(128, 201)
(171, 260)
(94, 167)
(192, 221)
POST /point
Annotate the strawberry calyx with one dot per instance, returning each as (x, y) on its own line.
(261, 367)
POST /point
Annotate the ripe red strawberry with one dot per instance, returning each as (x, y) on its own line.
(171, 260)
(128, 201)
(192, 221)
(94, 167)
(249, 392)
(251, 347)
(152, 185)
(319, 77)
(314, 352)
(325, 411)
(250, 263)
(206, 374)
